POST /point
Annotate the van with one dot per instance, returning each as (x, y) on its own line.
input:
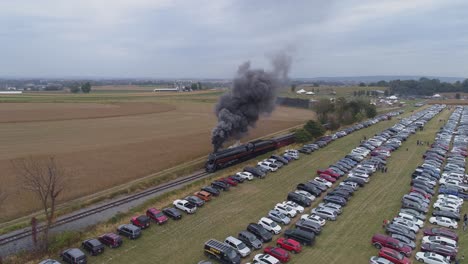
(238, 245)
(222, 252)
(301, 236)
(250, 240)
(299, 199)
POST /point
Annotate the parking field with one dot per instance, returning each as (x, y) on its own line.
(346, 240)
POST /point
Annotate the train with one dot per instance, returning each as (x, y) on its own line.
(230, 156)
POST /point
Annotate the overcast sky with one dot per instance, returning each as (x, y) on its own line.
(198, 38)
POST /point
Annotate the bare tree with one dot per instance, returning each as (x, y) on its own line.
(45, 179)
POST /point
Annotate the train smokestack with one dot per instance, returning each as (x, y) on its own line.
(253, 93)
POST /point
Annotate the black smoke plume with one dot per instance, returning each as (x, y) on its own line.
(253, 94)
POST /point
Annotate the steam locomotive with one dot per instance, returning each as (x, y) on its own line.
(228, 157)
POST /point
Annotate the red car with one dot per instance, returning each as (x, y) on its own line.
(441, 232)
(394, 256)
(416, 190)
(229, 181)
(110, 239)
(141, 221)
(279, 253)
(156, 215)
(289, 244)
(328, 172)
(327, 178)
(379, 241)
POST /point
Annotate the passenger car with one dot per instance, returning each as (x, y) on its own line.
(289, 244)
(73, 256)
(129, 230)
(277, 252)
(185, 206)
(431, 258)
(156, 215)
(394, 256)
(141, 221)
(110, 239)
(93, 246)
(172, 213)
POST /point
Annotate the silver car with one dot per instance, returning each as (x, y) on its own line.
(279, 217)
(325, 213)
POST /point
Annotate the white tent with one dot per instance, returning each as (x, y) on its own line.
(301, 91)
(436, 96)
(310, 93)
(392, 97)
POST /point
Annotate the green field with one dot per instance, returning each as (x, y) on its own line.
(182, 241)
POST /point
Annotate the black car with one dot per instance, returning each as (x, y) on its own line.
(346, 188)
(280, 159)
(237, 178)
(194, 200)
(93, 246)
(255, 172)
(172, 213)
(451, 215)
(260, 232)
(220, 185)
(424, 188)
(211, 190)
(360, 182)
(396, 229)
(74, 256)
(305, 150)
(335, 199)
(129, 230)
(309, 188)
(317, 185)
(413, 205)
(309, 226)
(341, 192)
(299, 199)
(301, 236)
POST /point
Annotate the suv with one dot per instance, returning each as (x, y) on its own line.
(93, 246)
(249, 239)
(73, 256)
(270, 225)
(303, 237)
(238, 245)
(309, 226)
(129, 230)
(299, 199)
(205, 196)
(156, 215)
(380, 241)
(110, 239)
(259, 232)
(141, 221)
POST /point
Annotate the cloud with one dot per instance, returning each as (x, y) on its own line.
(209, 38)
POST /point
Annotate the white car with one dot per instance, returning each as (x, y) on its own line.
(268, 166)
(411, 218)
(314, 218)
(444, 221)
(238, 245)
(353, 185)
(323, 182)
(406, 223)
(305, 194)
(365, 179)
(450, 196)
(286, 209)
(431, 258)
(456, 184)
(438, 205)
(299, 209)
(185, 206)
(422, 178)
(245, 175)
(459, 202)
(440, 240)
(367, 167)
(265, 259)
(332, 206)
(270, 225)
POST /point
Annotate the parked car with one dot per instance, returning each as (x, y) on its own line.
(436, 231)
(93, 246)
(303, 237)
(286, 209)
(440, 249)
(185, 206)
(220, 185)
(265, 259)
(222, 252)
(49, 261)
(394, 256)
(129, 230)
(211, 190)
(73, 256)
(205, 196)
(277, 252)
(260, 232)
(238, 245)
(245, 175)
(444, 221)
(289, 244)
(111, 240)
(156, 215)
(431, 258)
(278, 217)
(270, 225)
(314, 218)
(310, 226)
(379, 260)
(379, 241)
(195, 200)
(249, 239)
(172, 213)
(141, 221)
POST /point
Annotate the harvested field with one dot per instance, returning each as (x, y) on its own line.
(27, 112)
(108, 151)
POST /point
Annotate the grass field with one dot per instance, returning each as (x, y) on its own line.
(105, 140)
(328, 91)
(182, 241)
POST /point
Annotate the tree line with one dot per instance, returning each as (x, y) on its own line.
(343, 112)
(423, 86)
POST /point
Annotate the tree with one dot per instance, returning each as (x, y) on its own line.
(316, 84)
(199, 85)
(457, 96)
(86, 88)
(386, 93)
(194, 87)
(46, 180)
(302, 136)
(315, 129)
(371, 111)
(361, 84)
(322, 108)
(75, 88)
(293, 88)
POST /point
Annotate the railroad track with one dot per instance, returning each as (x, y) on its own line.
(95, 210)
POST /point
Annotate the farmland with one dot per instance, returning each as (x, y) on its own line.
(182, 241)
(109, 139)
